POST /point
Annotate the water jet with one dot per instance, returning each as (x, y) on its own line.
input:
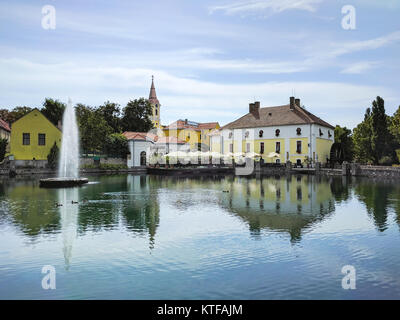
(68, 170)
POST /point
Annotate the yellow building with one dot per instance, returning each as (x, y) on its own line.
(194, 133)
(280, 134)
(32, 137)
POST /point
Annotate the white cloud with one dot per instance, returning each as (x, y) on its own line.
(272, 6)
(360, 67)
(29, 83)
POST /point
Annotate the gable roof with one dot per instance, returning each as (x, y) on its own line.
(36, 109)
(4, 125)
(143, 136)
(276, 116)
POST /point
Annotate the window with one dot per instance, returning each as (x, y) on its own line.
(247, 147)
(156, 110)
(277, 132)
(298, 130)
(320, 132)
(41, 139)
(246, 134)
(329, 134)
(26, 139)
(231, 147)
(278, 147)
(278, 161)
(261, 147)
(230, 135)
(260, 133)
(298, 148)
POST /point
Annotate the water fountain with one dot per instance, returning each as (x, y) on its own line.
(68, 171)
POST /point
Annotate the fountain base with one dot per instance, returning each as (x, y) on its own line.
(62, 182)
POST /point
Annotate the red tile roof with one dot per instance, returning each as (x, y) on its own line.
(4, 125)
(130, 135)
(196, 126)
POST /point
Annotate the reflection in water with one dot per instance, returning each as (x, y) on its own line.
(288, 204)
(69, 218)
(200, 230)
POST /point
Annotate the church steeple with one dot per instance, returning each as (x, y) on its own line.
(155, 104)
(153, 95)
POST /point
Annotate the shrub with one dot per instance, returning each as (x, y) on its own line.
(3, 147)
(386, 161)
(52, 157)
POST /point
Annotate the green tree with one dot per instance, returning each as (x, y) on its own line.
(53, 110)
(3, 148)
(116, 145)
(137, 116)
(93, 129)
(52, 157)
(344, 137)
(395, 125)
(381, 139)
(111, 112)
(362, 140)
(15, 113)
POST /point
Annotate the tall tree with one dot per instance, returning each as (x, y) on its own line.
(137, 116)
(93, 129)
(53, 110)
(362, 140)
(111, 112)
(344, 137)
(381, 138)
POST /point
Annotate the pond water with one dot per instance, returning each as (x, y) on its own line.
(152, 237)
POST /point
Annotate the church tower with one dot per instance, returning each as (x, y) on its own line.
(155, 105)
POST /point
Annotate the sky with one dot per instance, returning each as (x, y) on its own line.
(209, 59)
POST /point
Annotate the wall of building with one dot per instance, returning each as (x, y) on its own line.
(288, 138)
(136, 147)
(33, 123)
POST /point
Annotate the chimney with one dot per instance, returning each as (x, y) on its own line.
(251, 107)
(257, 106)
(297, 102)
(291, 103)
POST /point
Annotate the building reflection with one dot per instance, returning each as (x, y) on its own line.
(286, 204)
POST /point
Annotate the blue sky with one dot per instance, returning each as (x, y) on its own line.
(209, 58)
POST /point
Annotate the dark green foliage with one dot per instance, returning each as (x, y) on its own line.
(93, 129)
(344, 138)
(116, 145)
(3, 148)
(53, 110)
(137, 116)
(14, 114)
(52, 157)
(111, 112)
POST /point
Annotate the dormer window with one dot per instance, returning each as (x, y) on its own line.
(260, 133)
(277, 132)
(298, 130)
(320, 132)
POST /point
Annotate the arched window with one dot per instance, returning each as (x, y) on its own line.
(143, 158)
(277, 132)
(260, 133)
(298, 130)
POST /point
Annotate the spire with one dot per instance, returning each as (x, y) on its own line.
(153, 96)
